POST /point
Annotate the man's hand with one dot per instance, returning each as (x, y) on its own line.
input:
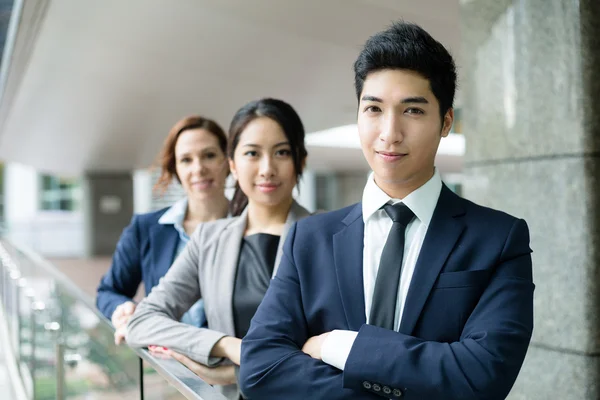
(228, 347)
(119, 319)
(224, 375)
(312, 347)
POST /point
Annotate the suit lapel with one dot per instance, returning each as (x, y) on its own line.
(229, 245)
(443, 233)
(348, 257)
(226, 261)
(164, 241)
(296, 212)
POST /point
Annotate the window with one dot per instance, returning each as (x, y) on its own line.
(174, 192)
(457, 126)
(59, 193)
(326, 192)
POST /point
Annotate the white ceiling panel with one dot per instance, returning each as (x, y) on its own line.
(103, 81)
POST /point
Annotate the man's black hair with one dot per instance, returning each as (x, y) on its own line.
(408, 46)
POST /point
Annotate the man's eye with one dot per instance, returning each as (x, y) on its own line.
(415, 111)
(372, 109)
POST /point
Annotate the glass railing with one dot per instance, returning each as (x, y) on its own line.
(58, 346)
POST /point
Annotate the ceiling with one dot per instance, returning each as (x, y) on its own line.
(96, 85)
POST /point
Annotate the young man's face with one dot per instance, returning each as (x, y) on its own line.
(400, 129)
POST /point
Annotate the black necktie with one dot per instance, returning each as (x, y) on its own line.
(383, 306)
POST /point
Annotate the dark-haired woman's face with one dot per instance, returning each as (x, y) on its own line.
(263, 164)
(200, 164)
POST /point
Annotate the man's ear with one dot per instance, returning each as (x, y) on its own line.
(447, 122)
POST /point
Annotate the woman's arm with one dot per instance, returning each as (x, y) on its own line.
(122, 280)
(155, 321)
(228, 347)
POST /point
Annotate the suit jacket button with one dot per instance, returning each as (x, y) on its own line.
(376, 387)
(366, 385)
(387, 390)
(397, 393)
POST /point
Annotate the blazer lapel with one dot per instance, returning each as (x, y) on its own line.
(229, 245)
(443, 233)
(348, 257)
(296, 213)
(164, 241)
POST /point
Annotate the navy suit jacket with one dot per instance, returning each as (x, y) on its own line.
(145, 252)
(465, 330)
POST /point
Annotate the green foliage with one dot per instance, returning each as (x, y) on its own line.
(45, 388)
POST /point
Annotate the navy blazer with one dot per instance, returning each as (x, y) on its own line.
(466, 326)
(145, 252)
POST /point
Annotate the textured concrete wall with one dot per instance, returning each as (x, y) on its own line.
(531, 80)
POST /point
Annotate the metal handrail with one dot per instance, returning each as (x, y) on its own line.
(183, 380)
(176, 374)
(11, 364)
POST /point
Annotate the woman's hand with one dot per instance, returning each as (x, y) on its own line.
(228, 347)
(158, 351)
(120, 318)
(224, 375)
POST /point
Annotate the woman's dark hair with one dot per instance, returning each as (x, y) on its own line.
(408, 46)
(291, 124)
(166, 158)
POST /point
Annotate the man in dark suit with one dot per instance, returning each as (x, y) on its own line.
(413, 293)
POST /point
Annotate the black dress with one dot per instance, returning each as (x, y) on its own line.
(254, 272)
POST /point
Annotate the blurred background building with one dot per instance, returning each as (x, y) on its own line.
(89, 90)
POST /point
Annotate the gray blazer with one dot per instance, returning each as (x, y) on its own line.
(205, 269)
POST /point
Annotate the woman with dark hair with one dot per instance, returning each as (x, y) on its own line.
(229, 263)
(194, 153)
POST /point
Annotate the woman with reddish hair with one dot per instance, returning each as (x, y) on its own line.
(194, 154)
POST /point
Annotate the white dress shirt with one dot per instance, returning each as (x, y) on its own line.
(422, 202)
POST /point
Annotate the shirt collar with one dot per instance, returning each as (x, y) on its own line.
(175, 216)
(421, 201)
